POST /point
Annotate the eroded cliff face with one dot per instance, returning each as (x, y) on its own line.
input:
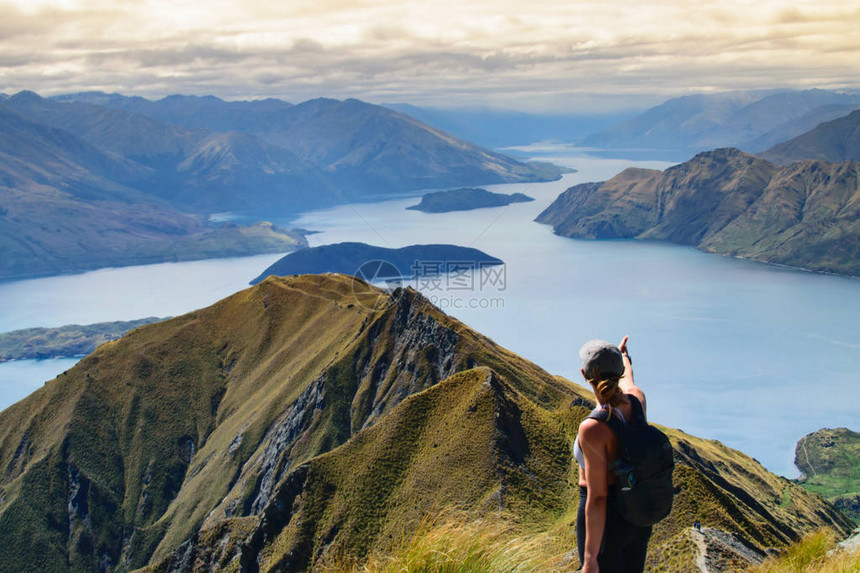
(396, 353)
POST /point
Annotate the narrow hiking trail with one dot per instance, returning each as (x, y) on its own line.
(719, 551)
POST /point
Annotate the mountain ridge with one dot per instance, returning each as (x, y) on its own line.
(66, 206)
(837, 140)
(746, 120)
(725, 201)
(84, 186)
(359, 147)
(298, 419)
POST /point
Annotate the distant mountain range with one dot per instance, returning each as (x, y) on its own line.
(751, 121)
(90, 180)
(66, 205)
(358, 148)
(191, 170)
(293, 423)
(837, 140)
(805, 215)
(500, 128)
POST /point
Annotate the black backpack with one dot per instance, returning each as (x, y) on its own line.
(643, 468)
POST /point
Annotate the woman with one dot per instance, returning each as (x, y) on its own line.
(606, 542)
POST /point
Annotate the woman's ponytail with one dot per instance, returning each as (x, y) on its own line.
(608, 392)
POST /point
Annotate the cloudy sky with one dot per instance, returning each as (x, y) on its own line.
(534, 55)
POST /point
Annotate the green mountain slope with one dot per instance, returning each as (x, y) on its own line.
(725, 201)
(837, 140)
(290, 422)
(829, 461)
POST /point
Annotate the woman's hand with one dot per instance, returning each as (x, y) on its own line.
(590, 566)
(623, 346)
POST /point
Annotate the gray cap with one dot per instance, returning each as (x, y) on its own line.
(601, 359)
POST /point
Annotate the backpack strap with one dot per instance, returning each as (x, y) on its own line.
(599, 414)
(638, 412)
(602, 415)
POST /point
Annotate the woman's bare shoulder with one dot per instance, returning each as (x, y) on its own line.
(591, 430)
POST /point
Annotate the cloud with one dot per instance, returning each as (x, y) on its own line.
(531, 55)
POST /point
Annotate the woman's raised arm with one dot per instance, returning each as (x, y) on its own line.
(626, 383)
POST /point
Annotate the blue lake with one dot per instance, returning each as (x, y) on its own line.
(753, 355)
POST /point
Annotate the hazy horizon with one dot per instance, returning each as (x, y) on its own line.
(579, 57)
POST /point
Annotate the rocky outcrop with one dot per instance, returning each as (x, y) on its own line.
(806, 215)
(275, 460)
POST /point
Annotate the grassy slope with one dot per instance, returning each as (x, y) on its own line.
(812, 554)
(830, 462)
(126, 415)
(373, 493)
(137, 448)
(455, 543)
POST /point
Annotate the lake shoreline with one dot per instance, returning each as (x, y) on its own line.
(686, 312)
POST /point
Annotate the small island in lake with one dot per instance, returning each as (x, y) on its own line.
(466, 199)
(370, 262)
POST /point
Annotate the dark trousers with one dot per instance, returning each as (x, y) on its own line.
(624, 546)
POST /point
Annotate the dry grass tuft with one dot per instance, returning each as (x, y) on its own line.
(812, 555)
(461, 545)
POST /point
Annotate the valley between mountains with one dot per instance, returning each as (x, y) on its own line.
(304, 420)
(89, 181)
